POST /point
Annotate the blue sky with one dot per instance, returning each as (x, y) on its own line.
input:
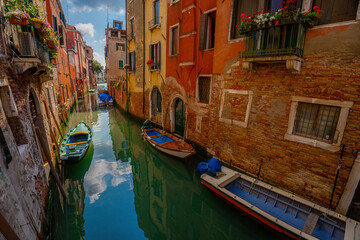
(90, 18)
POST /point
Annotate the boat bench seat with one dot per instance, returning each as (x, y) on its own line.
(310, 223)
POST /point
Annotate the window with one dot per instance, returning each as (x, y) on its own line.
(120, 46)
(203, 89)
(174, 40)
(132, 28)
(207, 31)
(117, 25)
(55, 24)
(155, 54)
(337, 10)
(317, 122)
(239, 7)
(121, 64)
(61, 35)
(132, 61)
(156, 12)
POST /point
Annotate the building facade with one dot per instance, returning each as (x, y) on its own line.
(273, 102)
(89, 55)
(115, 60)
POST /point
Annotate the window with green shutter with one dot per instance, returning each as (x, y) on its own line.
(121, 64)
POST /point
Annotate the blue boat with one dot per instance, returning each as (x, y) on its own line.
(280, 210)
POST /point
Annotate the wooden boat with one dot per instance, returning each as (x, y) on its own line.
(76, 143)
(167, 143)
(280, 210)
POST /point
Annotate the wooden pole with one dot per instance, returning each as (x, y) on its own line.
(48, 159)
(6, 230)
(56, 123)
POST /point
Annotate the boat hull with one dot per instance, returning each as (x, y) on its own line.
(280, 210)
(173, 153)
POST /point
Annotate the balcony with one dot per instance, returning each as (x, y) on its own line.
(155, 23)
(28, 49)
(284, 42)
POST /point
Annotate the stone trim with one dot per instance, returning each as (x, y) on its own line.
(247, 114)
(186, 64)
(340, 128)
(210, 11)
(187, 34)
(191, 6)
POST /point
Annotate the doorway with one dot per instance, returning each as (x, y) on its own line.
(179, 116)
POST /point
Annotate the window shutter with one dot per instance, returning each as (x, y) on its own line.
(202, 34)
(159, 55)
(117, 46)
(130, 63)
(134, 61)
(121, 64)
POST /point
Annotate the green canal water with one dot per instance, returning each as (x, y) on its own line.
(124, 189)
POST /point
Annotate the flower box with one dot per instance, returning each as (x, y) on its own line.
(37, 25)
(51, 44)
(17, 21)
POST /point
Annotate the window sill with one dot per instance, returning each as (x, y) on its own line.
(176, 55)
(312, 142)
(208, 49)
(174, 2)
(154, 70)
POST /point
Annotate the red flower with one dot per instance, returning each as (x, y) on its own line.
(249, 19)
(150, 61)
(282, 3)
(316, 7)
(303, 9)
(285, 7)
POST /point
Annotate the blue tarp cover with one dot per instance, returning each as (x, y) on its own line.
(214, 165)
(152, 133)
(104, 96)
(162, 139)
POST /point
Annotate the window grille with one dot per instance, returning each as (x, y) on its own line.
(316, 121)
(204, 89)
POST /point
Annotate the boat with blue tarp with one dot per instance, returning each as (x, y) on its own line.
(278, 209)
(76, 143)
(166, 142)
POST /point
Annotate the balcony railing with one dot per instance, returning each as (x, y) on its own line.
(155, 23)
(275, 41)
(26, 44)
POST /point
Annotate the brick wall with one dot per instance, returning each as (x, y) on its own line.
(306, 170)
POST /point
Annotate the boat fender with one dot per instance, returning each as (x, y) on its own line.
(202, 168)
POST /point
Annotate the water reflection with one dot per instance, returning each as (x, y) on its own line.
(125, 189)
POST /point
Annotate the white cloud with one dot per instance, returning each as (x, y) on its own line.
(86, 29)
(103, 40)
(90, 5)
(100, 58)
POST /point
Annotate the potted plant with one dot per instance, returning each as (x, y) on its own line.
(127, 66)
(37, 23)
(150, 63)
(19, 17)
(310, 17)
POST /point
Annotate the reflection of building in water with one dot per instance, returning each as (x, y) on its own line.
(118, 130)
(171, 204)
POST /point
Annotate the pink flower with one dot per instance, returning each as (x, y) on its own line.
(316, 7)
(242, 15)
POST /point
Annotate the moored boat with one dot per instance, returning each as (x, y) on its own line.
(76, 143)
(280, 210)
(167, 143)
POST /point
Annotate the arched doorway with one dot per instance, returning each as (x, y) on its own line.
(156, 105)
(179, 116)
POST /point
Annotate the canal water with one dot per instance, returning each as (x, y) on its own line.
(124, 189)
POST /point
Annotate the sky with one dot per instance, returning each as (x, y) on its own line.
(90, 18)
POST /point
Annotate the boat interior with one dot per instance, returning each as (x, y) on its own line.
(294, 213)
(78, 137)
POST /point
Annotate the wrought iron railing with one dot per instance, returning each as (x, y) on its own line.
(277, 40)
(155, 22)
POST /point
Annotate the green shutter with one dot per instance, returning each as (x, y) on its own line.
(117, 46)
(134, 61)
(121, 64)
(130, 59)
(159, 55)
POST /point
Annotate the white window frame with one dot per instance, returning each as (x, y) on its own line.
(340, 127)
(248, 108)
(171, 39)
(197, 89)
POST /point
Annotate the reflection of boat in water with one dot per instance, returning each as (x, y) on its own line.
(76, 143)
(282, 211)
(166, 142)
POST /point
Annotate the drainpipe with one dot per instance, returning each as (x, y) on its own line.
(143, 59)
